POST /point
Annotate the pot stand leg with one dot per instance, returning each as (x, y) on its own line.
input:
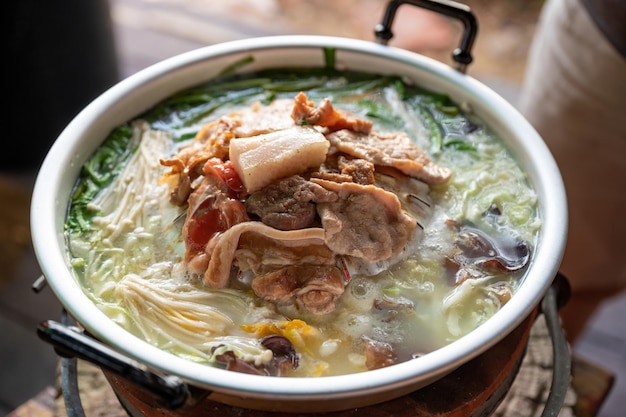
(168, 391)
(556, 297)
(69, 381)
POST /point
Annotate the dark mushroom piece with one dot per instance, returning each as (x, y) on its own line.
(479, 251)
(232, 363)
(285, 354)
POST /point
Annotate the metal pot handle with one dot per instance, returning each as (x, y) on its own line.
(462, 55)
(70, 343)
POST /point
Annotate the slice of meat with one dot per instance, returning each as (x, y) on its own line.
(288, 204)
(365, 222)
(212, 140)
(361, 171)
(325, 115)
(320, 292)
(262, 254)
(337, 167)
(222, 247)
(312, 288)
(260, 119)
(186, 166)
(390, 149)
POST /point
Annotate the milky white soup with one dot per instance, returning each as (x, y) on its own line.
(302, 223)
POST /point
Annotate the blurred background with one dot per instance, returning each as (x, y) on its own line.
(64, 53)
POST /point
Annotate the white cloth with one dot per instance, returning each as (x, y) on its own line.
(574, 94)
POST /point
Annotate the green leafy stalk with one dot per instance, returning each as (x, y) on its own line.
(436, 137)
(330, 58)
(236, 65)
(97, 173)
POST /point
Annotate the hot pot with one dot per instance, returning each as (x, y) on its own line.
(181, 378)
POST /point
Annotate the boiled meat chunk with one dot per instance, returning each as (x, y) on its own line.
(263, 159)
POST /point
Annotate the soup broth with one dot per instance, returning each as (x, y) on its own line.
(152, 216)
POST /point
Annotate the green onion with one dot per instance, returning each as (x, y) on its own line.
(329, 58)
(459, 144)
(436, 138)
(97, 173)
(391, 291)
(235, 66)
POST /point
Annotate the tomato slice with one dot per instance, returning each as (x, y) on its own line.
(204, 224)
(221, 207)
(225, 171)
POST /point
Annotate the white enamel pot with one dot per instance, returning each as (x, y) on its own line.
(146, 88)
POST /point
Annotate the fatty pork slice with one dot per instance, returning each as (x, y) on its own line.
(263, 159)
(390, 149)
(365, 222)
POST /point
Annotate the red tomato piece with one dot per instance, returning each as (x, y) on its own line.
(225, 171)
(205, 222)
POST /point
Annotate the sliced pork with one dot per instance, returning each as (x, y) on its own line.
(260, 119)
(365, 221)
(390, 149)
(288, 204)
(221, 248)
